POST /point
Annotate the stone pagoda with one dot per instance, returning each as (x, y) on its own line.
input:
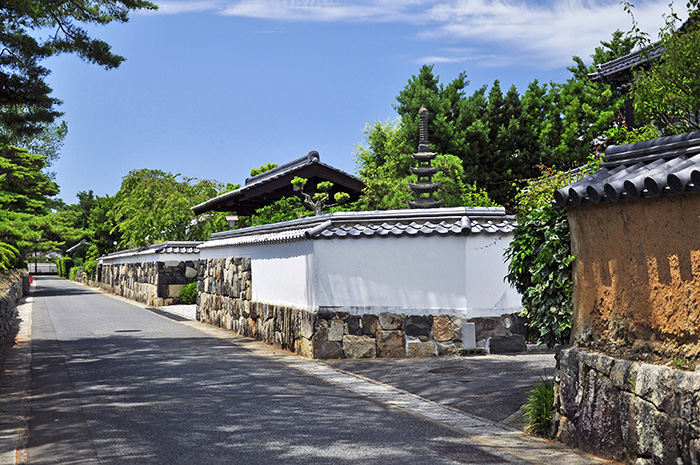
(425, 187)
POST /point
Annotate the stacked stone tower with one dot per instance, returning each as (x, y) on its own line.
(424, 170)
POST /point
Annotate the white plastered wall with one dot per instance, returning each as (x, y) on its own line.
(461, 275)
(280, 271)
(488, 294)
(407, 274)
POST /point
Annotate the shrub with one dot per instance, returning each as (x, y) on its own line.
(89, 267)
(539, 257)
(539, 407)
(64, 266)
(188, 294)
(73, 273)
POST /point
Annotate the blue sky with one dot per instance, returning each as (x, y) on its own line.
(213, 88)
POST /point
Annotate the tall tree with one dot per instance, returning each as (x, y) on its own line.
(25, 197)
(667, 95)
(154, 206)
(26, 106)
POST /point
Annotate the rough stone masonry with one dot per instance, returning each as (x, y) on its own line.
(225, 300)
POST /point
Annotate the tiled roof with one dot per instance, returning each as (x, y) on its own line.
(256, 182)
(620, 68)
(171, 247)
(390, 223)
(665, 166)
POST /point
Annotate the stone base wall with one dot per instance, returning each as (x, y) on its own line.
(224, 299)
(19, 287)
(634, 412)
(153, 283)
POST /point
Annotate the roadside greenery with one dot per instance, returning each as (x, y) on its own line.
(188, 294)
(540, 259)
(539, 408)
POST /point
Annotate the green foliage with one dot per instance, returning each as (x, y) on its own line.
(64, 266)
(34, 30)
(318, 201)
(24, 187)
(153, 206)
(539, 257)
(188, 294)
(668, 94)
(25, 201)
(384, 166)
(540, 269)
(73, 273)
(500, 138)
(89, 267)
(625, 135)
(539, 408)
(263, 169)
(298, 182)
(9, 257)
(285, 209)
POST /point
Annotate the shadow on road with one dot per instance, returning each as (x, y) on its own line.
(202, 400)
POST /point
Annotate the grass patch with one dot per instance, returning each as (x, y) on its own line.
(539, 408)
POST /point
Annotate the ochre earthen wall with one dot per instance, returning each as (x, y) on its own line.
(637, 277)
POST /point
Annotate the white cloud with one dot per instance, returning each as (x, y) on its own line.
(551, 33)
(548, 31)
(172, 8)
(326, 10)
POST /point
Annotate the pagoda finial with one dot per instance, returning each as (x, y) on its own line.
(425, 187)
(423, 142)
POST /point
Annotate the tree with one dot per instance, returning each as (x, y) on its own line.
(153, 206)
(589, 108)
(384, 166)
(667, 95)
(26, 106)
(25, 198)
(263, 169)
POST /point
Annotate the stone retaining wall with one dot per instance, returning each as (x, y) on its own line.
(225, 299)
(9, 300)
(153, 283)
(629, 411)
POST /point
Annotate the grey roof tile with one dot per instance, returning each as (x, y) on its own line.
(393, 223)
(664, 166)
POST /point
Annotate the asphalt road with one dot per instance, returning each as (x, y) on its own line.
(114, 383)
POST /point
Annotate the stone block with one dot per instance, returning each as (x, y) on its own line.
(421, 349)
(456, 323)
(353, 325)
(442, 328)
(190, 273)
(327, 349)
(418, 325)
(599, 422)
(600, 362)
(304, 347)
(391, 344)
(370, 324)
(655, 383)
(447, 348)
(307, 322)
(508, 344)
(359, 346)
(389, 321)
(336, 330)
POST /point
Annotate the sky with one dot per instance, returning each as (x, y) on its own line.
(213, 88)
